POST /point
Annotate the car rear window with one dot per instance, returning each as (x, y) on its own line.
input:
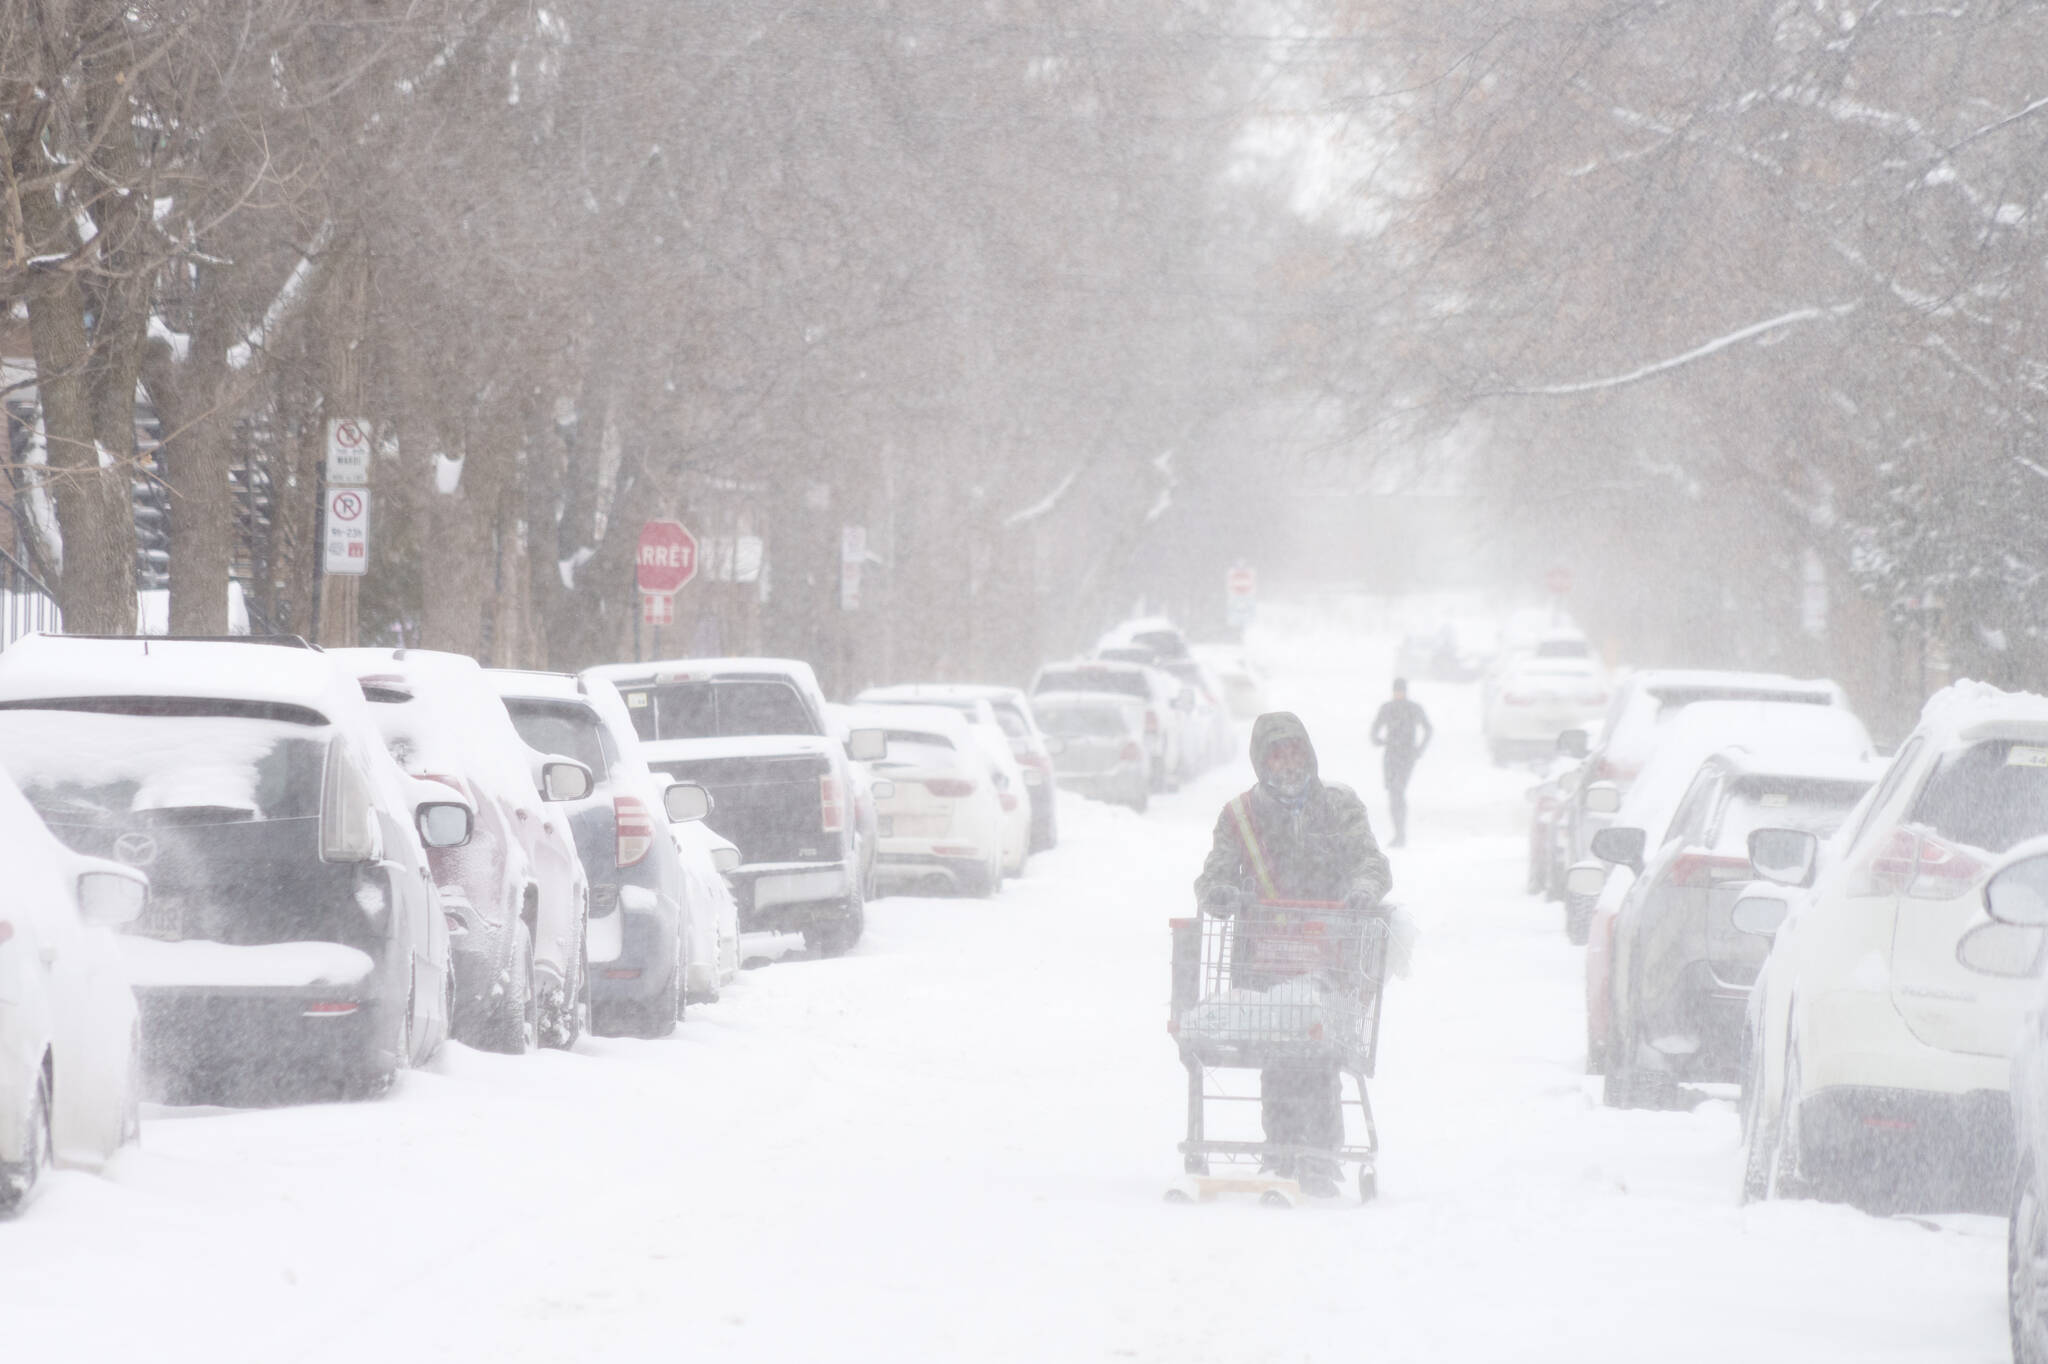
(566, 728)
(95, 767)
(717, 709)
(1752, 803)
(1114, 681)
(912, 748)
(1081, 722)
(1564, 648)
(1990, 795)
(1011, 721)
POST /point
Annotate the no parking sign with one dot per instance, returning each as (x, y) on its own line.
(347, 543)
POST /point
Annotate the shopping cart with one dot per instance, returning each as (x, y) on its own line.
(1287, 984)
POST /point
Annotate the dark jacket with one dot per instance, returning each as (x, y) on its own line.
(1403, 728)
(1318, 848)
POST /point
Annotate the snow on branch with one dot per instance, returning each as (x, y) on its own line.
(1719, 343)
(280, 307)
(1044, 505)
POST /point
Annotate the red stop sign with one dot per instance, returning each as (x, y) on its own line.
(667, 557)
(1558, 580)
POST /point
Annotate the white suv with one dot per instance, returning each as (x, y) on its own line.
(1873, 1051)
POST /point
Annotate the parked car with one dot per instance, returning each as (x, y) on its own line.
(713, 926)
(1153, 696)
(1012, 709)
(1211, 737)
(2016, 908)
(1005, 773)
(1548, 799)
(639, 898)
(939, 810)
(1643, 705)
(1536, 700)
(516, 896)
(1097, 741)
(1679, 970)
(1155, 634)
(1599, 888)
(70, 1040)
(1244, 688)
(754, 733)
(1872, 1048)
(293, 941)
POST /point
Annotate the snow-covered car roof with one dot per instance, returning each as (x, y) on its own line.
(942, 721)
(452, 703)
(704, 669)
(1969, 710)
(963, 691)
(522, 682)
(1793, 732)
(1121, 700)
(51, 666)
(1808, 764)
(1654, 680)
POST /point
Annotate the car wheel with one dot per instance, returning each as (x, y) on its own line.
(569, 1014)
(1578, 919)
(2027, 1271)
(836, 939)
(1789, 1171)
(19, 1178)
(667, 1009)
(510, 1026)
(1756, 1149)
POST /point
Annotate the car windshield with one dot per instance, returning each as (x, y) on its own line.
(1564, 648)
(1990, 795)
(1116, 681)
(175, 764)
(717, 709)
(565, 728)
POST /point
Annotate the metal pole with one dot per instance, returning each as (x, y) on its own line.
(319, 553)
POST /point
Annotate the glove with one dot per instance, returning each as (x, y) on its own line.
(1224, 901)
(1363, 902)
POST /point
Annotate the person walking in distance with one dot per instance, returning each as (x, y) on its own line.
(1404, 731)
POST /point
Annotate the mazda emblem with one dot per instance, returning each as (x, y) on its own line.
(137, 850)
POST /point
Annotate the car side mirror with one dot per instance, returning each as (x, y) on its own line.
(1586, 879)
(1999, 949)
(727, 860)
(565, 779)
(110, 898)
(686, 802)
(2018, 893)
(1620, 845)
(1573, 743)
(867, 745)
(1761, 912)
(444, 823)
(1785, 856)
(1602, 798)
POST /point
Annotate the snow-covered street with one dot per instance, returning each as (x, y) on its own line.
(952, 1144)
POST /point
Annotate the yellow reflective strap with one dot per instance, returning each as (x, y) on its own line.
(1249, 836)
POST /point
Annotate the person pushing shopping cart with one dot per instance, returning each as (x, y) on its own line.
(1282, 972)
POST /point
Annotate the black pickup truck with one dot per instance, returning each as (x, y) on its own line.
(752, 732)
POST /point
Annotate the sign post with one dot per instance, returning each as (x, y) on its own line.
(1240, 594)
(346, 545)
(853, 552)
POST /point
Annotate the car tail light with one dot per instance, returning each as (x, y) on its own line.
(1515, 698)
(622, 973)
(1151, 722)
(339, 1008)
(1593, 698)
(1944, 871)
(951, 788)
(1921, 866)
(831, 811)
(1703, 869)
(1009, 800)
(455, 924)
(635, 830)
(1129, 753)
(6, 930)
